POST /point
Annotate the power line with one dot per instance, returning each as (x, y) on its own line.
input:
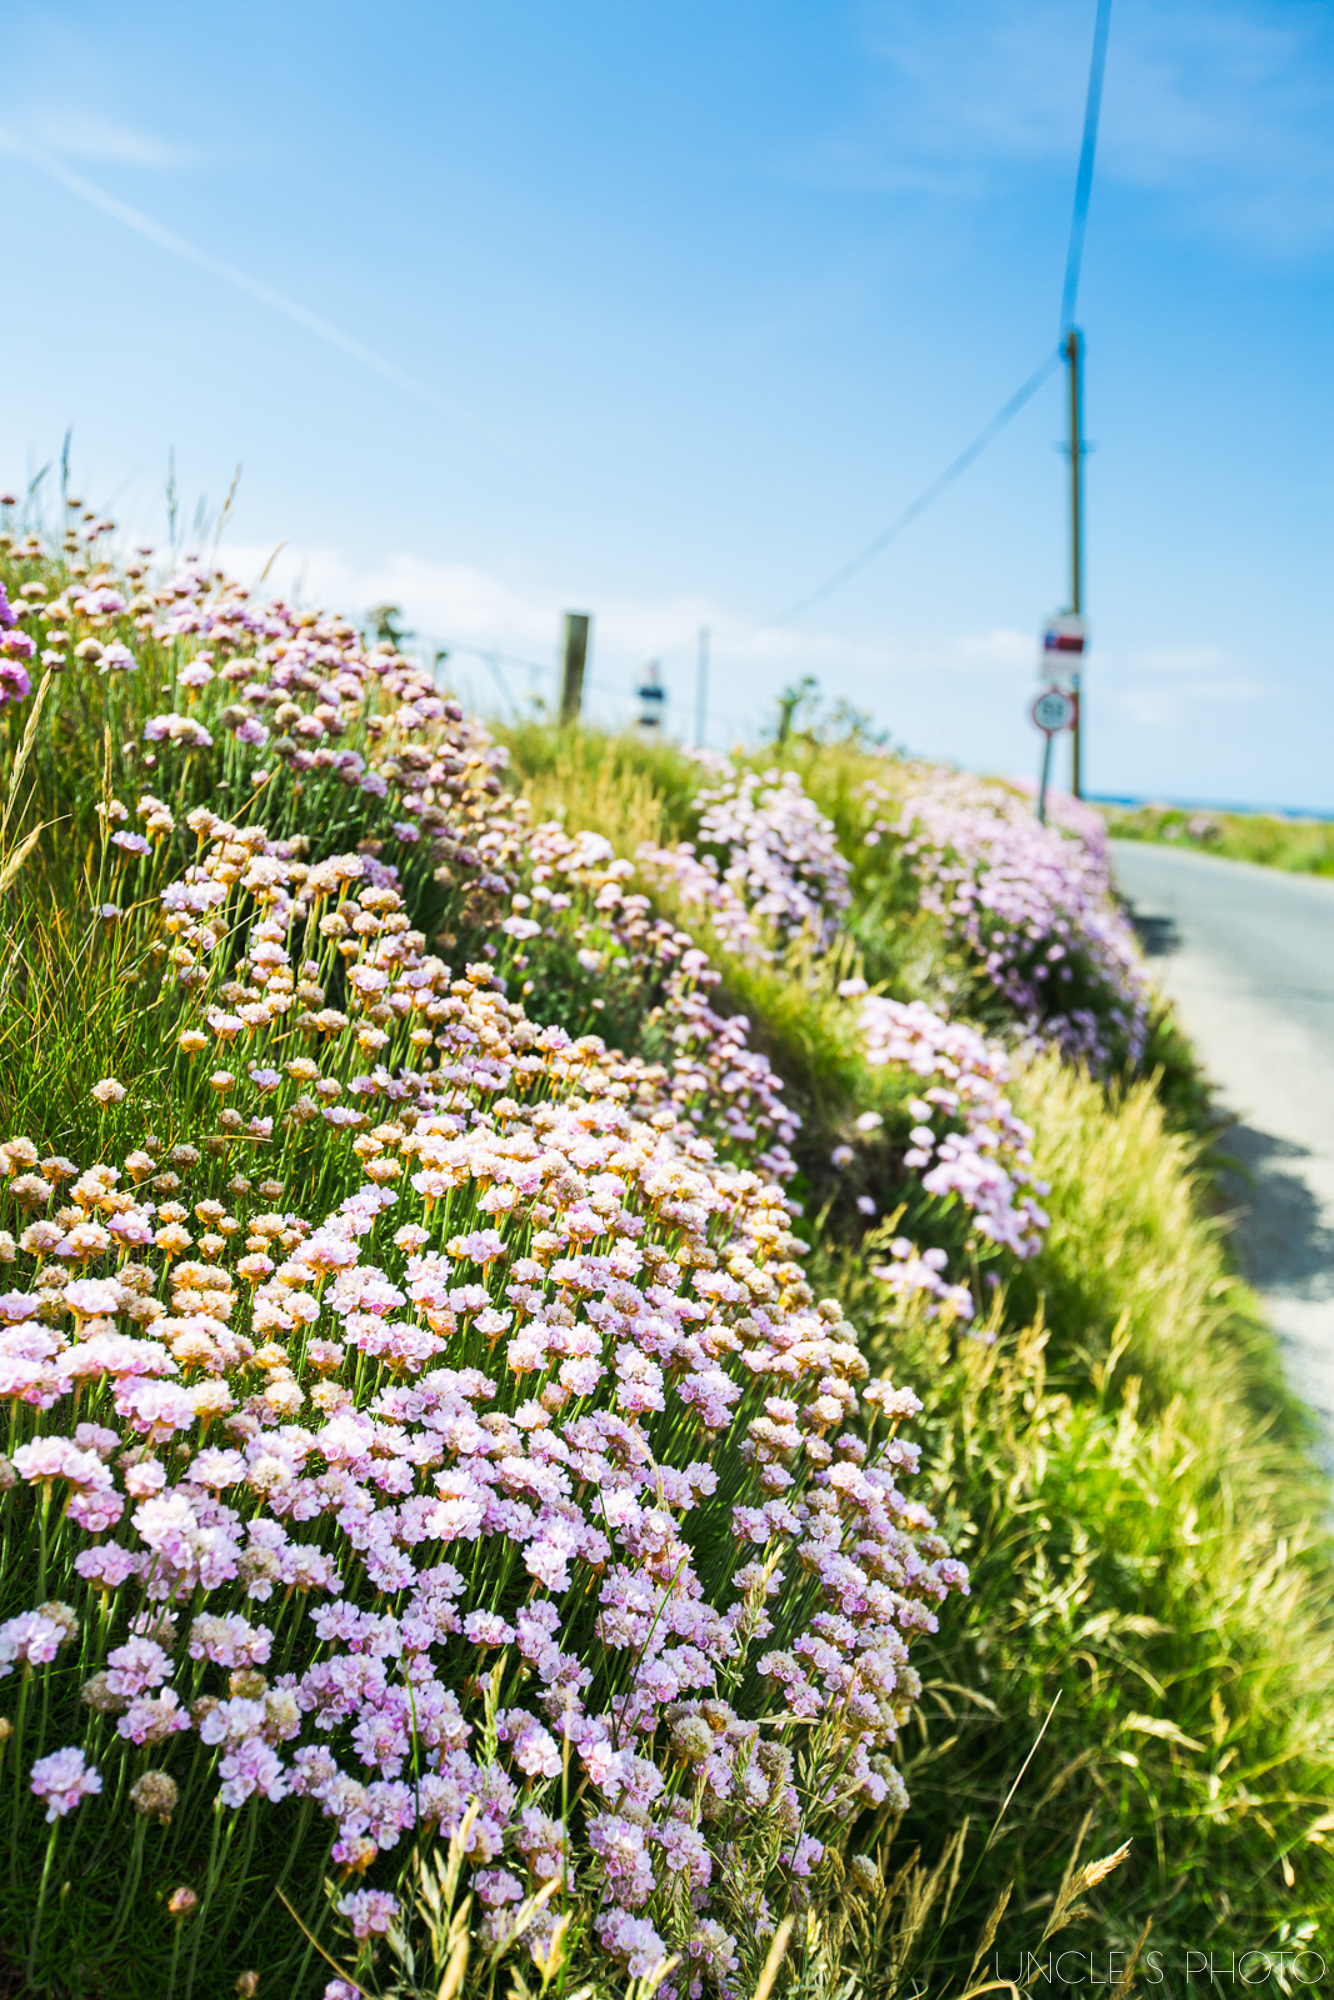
(990, 431)
(924, 499)
(493, 662)
(1074, 256)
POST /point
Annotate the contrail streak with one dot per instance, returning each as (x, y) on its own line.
(228, 274)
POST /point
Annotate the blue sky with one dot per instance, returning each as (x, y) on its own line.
(662, 311)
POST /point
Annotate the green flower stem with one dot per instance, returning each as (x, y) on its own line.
(41, 1902)
(130, 1884)
(215, 1865)
(42, 1518)
(17, 1810)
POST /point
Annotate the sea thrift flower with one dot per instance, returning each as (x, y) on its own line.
(35, 1637)
(544, 1344)
(369, 1911)
(15, 681)
(967, 1141)
(62, 1780)
(766, 864)
(1034, 907)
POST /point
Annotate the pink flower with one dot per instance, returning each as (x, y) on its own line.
(153, 1718)
(92, 1298)
(485, 1628)
(251, 1767)
(481, 1247)
(48, 1458)
(634, 1940)
(107, 1567)
(157, 1410)
(96, 1510)
(135, 1667)
(15, 681)
(62, 1780)
(32, 1638)
(369, 1911)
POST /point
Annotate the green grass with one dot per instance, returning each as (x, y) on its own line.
(1275, 840)
(1125, 1469)
(1151, 1623)
(1129, 1479)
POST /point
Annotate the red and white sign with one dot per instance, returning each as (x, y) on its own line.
(1065, 636)
(1054, 711)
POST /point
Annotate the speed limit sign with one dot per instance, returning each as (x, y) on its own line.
(1053, 711)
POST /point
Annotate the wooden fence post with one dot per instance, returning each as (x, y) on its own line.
(572, 676)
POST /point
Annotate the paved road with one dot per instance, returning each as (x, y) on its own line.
(1247, 953)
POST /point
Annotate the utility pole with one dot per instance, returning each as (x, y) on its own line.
(1074, 354)
(572, 674)
(702, 688)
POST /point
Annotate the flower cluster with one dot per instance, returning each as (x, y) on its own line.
(437, 1423)
(491, 1424)
(1034, 907)
(711, 1073)
(967, 1140)
(16, 649)
(766, 864)
(913, 1275)
(263, 697)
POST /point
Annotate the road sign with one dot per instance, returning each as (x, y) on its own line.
(652, 696)
(1064, 635)
(1053, 711)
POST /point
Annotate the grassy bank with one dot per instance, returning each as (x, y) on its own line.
(1147, 1552)
(1274, 840)
(451, 1208)
(1122, 1464)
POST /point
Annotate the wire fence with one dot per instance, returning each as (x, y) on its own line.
(489, 681)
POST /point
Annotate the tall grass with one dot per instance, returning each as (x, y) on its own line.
(1149, 1552)
(1145, 1669)
(1134, 1275)
(1124, 1465)
(1275, 840)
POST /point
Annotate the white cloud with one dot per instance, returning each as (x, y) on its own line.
(1161, 687)
(1151, 708)
(1182, 659)
(949, 693)
(1000, 647)
(517, 614)
(1172, 707)
(514, 620)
